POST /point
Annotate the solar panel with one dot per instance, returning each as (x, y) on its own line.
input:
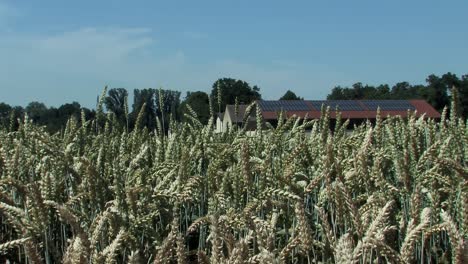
(342, 105)
(388, 105)
(275, 106)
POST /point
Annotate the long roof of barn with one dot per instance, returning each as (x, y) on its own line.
(349, 109)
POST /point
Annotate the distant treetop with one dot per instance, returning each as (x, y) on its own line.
(225, 91)
(290, 95)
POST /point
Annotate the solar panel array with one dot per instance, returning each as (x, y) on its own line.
(341, 105)
(274, 106)
(388, 105)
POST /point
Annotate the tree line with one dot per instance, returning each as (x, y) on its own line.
(436, 91)
(160, 105)
(153, 106)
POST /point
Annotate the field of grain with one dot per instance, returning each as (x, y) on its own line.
(390, 192)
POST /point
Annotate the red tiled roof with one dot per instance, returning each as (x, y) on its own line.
(424, 107)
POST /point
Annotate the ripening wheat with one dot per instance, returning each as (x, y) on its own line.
(391, 192)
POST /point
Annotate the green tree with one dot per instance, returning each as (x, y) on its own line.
(116, 102)
(401, 90)
(382, 92)
(338, 93)
(437, 92)
(167, 106)
(141, 97)
(55, 119)
(37, 112)
(17, 114)
(290, 95)
(199, 101)
(68, 110)
(463, 95)
(5, 111)
(170, 104)
(356, 92)
(230, 89)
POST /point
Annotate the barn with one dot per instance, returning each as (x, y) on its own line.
(357, 111)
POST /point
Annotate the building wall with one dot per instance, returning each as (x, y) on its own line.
(219, 125)
(226, 121)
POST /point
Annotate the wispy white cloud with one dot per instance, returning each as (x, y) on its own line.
(76, 65)
(73, 59)
(85, 52)
(91, 48)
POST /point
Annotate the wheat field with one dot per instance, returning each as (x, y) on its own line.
(390, 192)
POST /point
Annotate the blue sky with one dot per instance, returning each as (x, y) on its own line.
(61, 51)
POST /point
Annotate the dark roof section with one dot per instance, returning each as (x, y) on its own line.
(220, 116)
(388, 105)
(342, 105)
(285, 105)
(350, 109)
(241, 112)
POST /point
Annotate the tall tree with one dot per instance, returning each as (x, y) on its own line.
(382, 92)
(199, 101)
(437, 92)
(116, 102)
(170, 103)
(145, 97)
(290, 95)
(17, 114)
(56, 119)
(68, 110)
(463, 95)
(228, 89)
(5, 111)
(167, 106)
(337, 93)
(156, 106)
(401, 90)
(356, 92)
(37, 112)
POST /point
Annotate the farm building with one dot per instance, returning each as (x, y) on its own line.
(230, 117)
(357, 111)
